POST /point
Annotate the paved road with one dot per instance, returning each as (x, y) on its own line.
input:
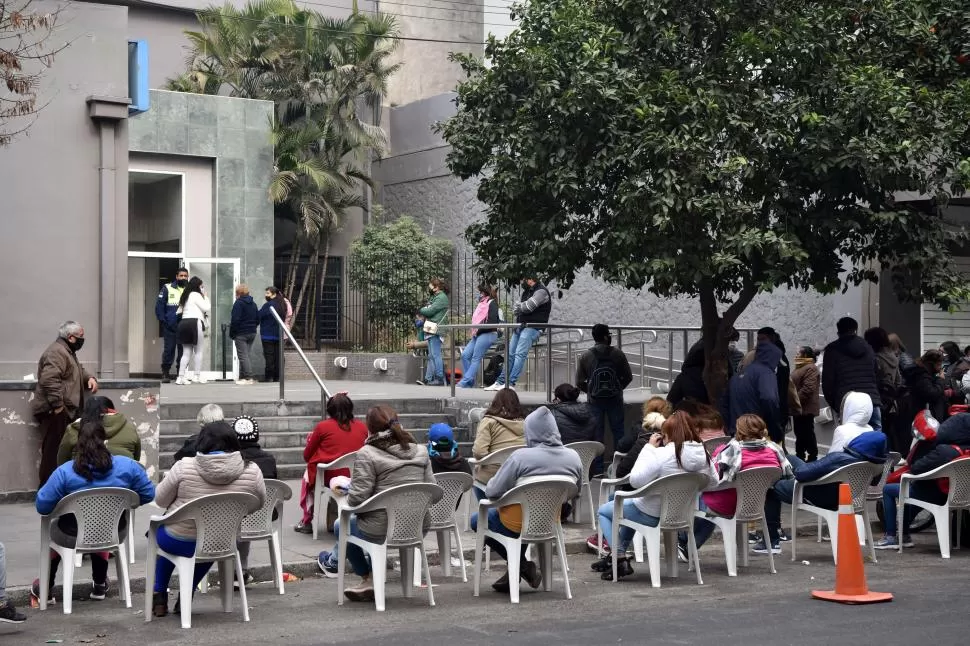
(755, 607)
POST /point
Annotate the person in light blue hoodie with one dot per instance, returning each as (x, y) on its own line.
(93, 466)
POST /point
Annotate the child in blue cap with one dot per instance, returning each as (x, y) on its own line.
(444, 450)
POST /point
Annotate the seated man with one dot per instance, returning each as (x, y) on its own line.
(866, 447)
(8, 612)
(544, 455)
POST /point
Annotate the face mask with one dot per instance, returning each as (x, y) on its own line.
(732, 345)
(269, 298)
(181, 282)
(525, 285)
(77, 344)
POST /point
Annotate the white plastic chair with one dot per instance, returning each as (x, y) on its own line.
(609, 485)
(494, 458)
(541, 499)
(98, 512)
(679, 493)
(260, 526)
(218, 519)
(406, 507)
(443, 523)
(857, 476)
(875, 491)
(712, 443)
(958, 471)
(588, 451)
(322, 492)
(752, 487)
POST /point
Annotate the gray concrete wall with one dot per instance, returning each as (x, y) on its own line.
(164, 29)
(50, 188)
(21, 440)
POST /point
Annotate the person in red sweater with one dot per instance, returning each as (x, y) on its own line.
(331, 438)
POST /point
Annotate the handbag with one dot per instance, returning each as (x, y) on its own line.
(430, 328)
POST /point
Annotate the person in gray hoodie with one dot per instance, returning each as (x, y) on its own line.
(544, 455)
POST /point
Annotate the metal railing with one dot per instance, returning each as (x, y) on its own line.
(286, 335)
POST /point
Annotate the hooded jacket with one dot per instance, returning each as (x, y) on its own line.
(124, 473)
(495, 433)
(244, 318)
(198, 476)
(689, 384)
(575, 420)
(655, 462)
(867, 447)
(544, 455)
(925, 391)
(953, 435)
(887, 373)
(756, 391)
(122, 438)
(849, 365)
(806, 380)
(381, 464)
(856, 412)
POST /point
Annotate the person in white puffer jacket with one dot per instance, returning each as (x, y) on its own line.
(675, 449)
(194, 312)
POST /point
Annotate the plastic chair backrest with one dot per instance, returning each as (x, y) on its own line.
(98, 512)
(887, 468)
(218, 518)
(752, 486)
(343, 462)
(714, 442)
(406, 507)
(958, 471)
(858, 476)
(454, 485)
(260, 522)
(541, 498)
(475, 416)
(498, 457)
(588, 451)
(679, 492)
(611, 470)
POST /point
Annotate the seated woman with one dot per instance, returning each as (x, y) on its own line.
(749, 448)
(390, 457)
(92, 466)
(218, 467)
(675, 449)
(121, 433)
(652, 405)
(575, 419)
(341, 433)
(707, 420)
(502, 426)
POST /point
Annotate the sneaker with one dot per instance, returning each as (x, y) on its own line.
(166, 378)
(200, 379)
(247, 579)
(602, 565)
(783, 536)
(761, 548)
(593, 542)
(502, 585)
(887, 543)
(363, 592)
(908, 542)
(180, 381)
(326, 564)
(303, 528)
(682, 555)
(531, 574)
(753, 537)
(100, 590)
(35, 593)
(10, 615)
(419, 382)
(510, 387)
(623, 568)
(494, 387)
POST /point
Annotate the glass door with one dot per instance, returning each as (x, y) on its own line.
(219, 279)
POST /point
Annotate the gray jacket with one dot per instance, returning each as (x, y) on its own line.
(382, 464)
(544, 455)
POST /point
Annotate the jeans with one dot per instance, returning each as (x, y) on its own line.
(876, 420)
(244, 346)
(472, 355)
(435, 372)
(355, 554)
(824, 496)
(495, 525)
(927, 491)
(271, 357)
(612, 410)
(176, 547)
(519, 345)
(806, 444)
(630, 512)
(703, 529)
(170, 348)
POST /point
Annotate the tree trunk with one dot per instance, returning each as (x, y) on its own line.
(717, 330)
(321, 289)
(307, 277)
(290, 282)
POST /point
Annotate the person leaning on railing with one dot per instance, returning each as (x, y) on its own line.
(534, 307)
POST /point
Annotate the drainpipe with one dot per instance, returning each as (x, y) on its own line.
(107, 112)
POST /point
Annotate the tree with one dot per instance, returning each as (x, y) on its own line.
(722, 148)
(25, 52)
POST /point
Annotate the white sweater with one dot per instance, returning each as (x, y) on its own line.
(196, 306)
(656, 462)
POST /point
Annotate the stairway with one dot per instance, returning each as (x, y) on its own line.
(284, 428)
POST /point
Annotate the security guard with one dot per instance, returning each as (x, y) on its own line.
(165, 308)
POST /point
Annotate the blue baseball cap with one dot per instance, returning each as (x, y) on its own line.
(441, 435)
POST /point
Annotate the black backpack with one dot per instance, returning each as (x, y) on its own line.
(493, 369)
(604, 381)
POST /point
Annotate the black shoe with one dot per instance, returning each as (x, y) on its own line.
(782, 536)
(10, 615)
(623, 568)
(35, 593)
(100, 590)
(419, 382)
(530, 572)
(166, 378)
(602, 565)
(303, 528)
(502, 585)
(159, 604)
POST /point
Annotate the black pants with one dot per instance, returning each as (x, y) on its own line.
(609, 411)
(271, 355)
(806, 445)
(52, 427)
(171, 349)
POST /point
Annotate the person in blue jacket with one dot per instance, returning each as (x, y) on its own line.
(242, 330)
(755, 392)
(93, 466)
(165, 306)
(269, 332)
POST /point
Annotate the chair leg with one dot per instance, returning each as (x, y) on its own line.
(225, 578)
(670, 553)
(729, 533)
(150, 556)
(692, 551)
(638, 547)
(741, 537)
(794, 528)
(942, 519)
(242, 588)
(614, 547)
(771, 557)
(378, 560)
(341, 565)
(818, 528)
(444, 551)
(653, 558)
(561, 547)
(545, 556)
(562, 535)
(959, 518)
(67, 562)
(868, 534)
(834, 535)
(45, 565)
(599, 540)
(418, 571)
(514, 554)
(186, 568)
(589, 500)
(124, 582)
(461, 554)
(479, 548)
(276, 558)
(407, 571)
(131, 536)
(427, 574)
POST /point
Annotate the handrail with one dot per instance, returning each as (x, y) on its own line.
(325, 393)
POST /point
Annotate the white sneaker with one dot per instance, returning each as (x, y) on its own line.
(200, 379)
(495, 386)
(187, 379)
(180, 381)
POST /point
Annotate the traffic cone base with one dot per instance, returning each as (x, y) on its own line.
(850, 576)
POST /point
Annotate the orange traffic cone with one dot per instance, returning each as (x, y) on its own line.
(850, 577)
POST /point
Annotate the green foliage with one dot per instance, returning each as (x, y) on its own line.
(390, 266)
(722, 148)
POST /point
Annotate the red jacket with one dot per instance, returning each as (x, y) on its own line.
(329, 441)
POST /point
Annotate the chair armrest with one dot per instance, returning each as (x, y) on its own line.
(485, 503)
(636, 493)
(614, 482)
(929, 475)
(722, 486)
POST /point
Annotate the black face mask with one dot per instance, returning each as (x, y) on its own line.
(181, 282)
(525, 285)
(268, 299)
(77, 344)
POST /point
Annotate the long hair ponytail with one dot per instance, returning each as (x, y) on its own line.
(383, 419)
(91, 456)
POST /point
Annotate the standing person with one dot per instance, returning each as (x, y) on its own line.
(755, 391)
(483, 338)
(889, 379)
(689, 384)
(850, 365)
(8, 612)
(735, 356)
(341, 433)
(534, 306)
(270, 333)
(59, 394)
(806, 380)
(194, 309)
(122, 436)
(577, 421)
(603, 374)
(436, 313)
(166, 306)
(955, 366)
(242, 330)
(927, 390)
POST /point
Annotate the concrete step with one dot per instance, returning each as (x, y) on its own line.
(305, 423)
(176, 411)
